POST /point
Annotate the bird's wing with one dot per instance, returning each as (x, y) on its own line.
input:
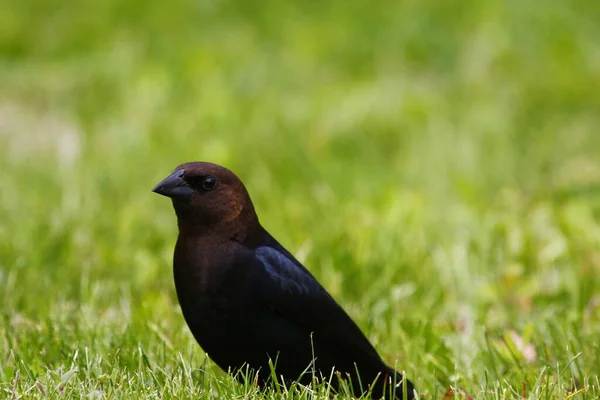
(290, 290)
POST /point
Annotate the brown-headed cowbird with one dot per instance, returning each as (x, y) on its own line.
(250, 304)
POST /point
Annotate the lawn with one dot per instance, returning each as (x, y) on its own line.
(435, 165)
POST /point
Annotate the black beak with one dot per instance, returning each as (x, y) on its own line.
(175, 187)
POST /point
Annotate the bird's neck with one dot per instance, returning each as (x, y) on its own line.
(245, 228)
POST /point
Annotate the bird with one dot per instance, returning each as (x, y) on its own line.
(251, 305)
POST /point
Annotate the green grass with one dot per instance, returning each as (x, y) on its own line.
(434, 164)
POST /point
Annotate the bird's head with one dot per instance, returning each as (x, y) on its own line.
(207, 196)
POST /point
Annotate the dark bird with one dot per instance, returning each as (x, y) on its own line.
(250, 304)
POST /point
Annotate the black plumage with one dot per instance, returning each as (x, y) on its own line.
(248, 301)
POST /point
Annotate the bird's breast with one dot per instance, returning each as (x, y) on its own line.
(212, 295)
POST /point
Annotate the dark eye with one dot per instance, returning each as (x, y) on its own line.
(209, 183)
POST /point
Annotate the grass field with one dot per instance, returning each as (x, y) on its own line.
(435, 165)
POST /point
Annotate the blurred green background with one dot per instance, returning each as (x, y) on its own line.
(435, 164)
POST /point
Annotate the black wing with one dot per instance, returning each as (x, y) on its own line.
(289, 289)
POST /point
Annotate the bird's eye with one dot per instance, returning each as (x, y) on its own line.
(209, 183)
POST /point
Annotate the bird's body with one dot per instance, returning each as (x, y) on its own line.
(250, 303)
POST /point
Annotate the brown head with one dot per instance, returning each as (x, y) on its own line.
(209, 199)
